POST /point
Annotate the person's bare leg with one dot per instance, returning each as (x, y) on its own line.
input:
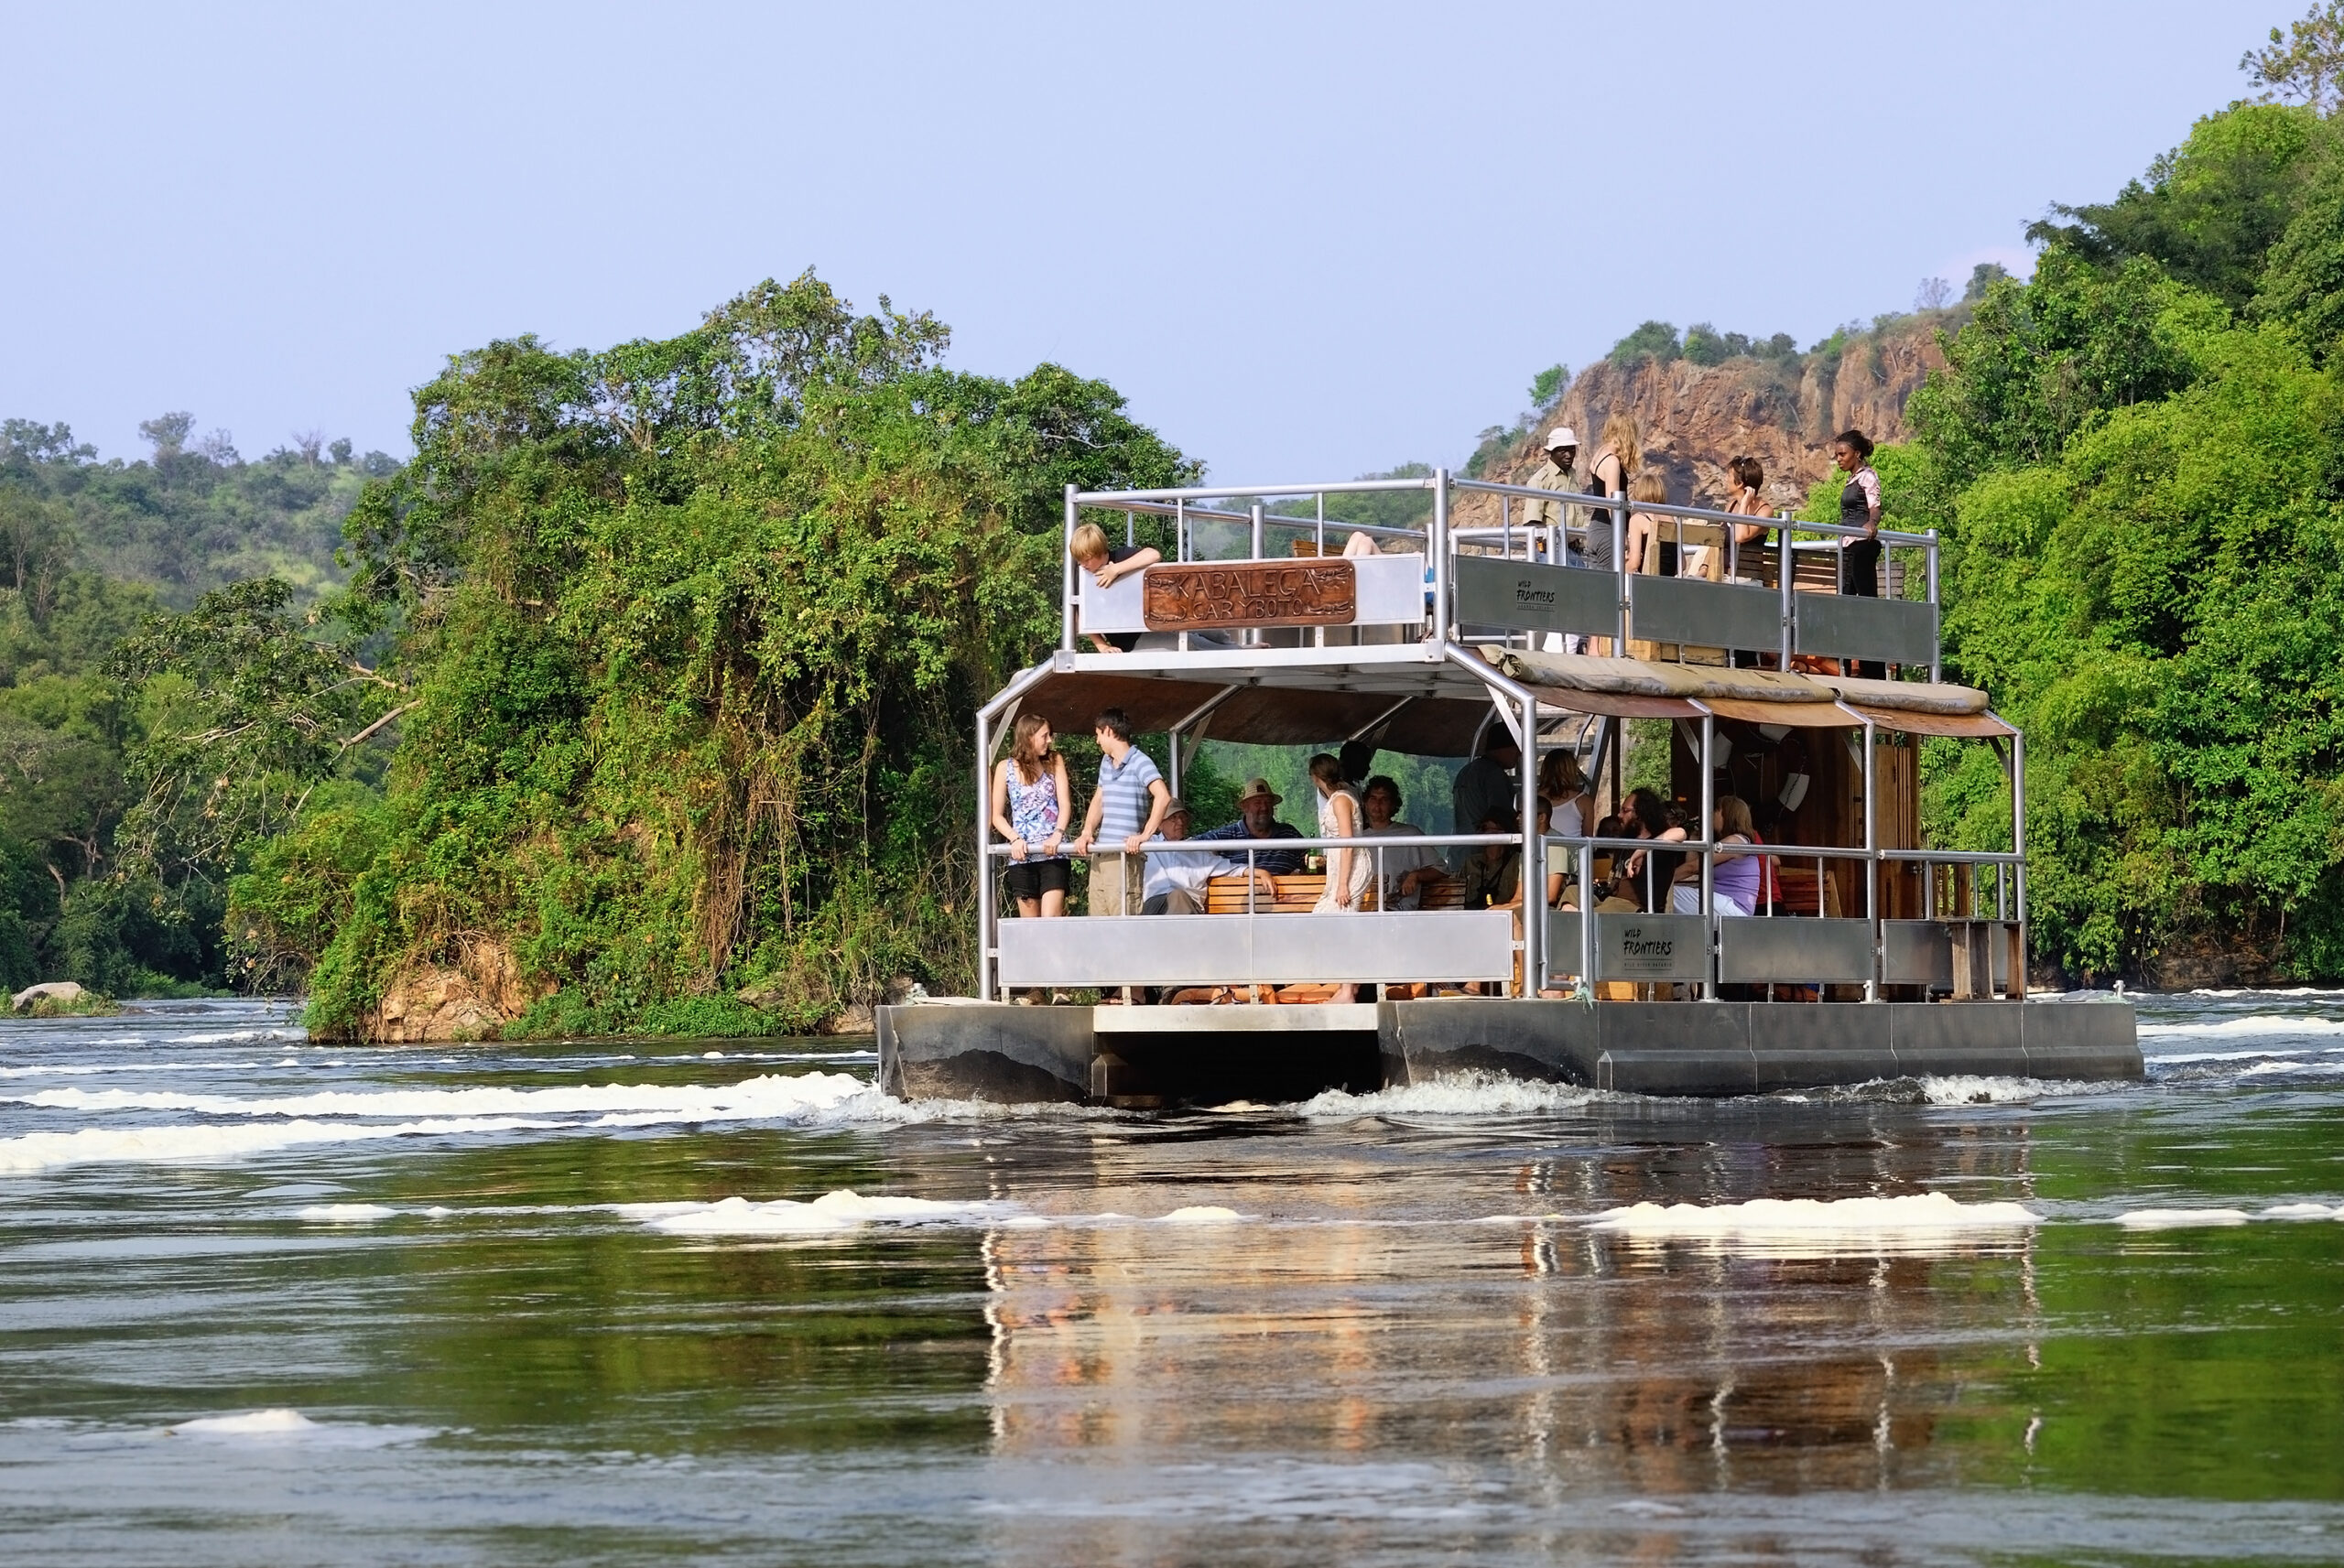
(1053, 905)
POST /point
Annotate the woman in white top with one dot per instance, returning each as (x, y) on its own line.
(1563, 787)
(1409, 872)
(1348, 871)
(1340, 816)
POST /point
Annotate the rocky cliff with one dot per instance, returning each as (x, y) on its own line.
(1695, 418)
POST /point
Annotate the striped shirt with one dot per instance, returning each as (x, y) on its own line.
(1123, 794)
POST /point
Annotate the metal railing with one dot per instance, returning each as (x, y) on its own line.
(1547, 544)
(1658, 899)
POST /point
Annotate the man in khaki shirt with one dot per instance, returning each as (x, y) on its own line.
(1555, 473)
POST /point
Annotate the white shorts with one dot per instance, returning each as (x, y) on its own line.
(1685, 898)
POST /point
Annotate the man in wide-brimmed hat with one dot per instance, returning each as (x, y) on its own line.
(1257, 805)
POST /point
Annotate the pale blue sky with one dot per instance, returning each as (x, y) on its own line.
(1305, 241)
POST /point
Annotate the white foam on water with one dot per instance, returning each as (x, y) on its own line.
(1802, 1227)
(770, 1096)
(1462, 1093)
(94, 1145)
(2235, 1055)
(281, 1424)
(243, 1035)
(2263, 991)
(1203, 1214)
(2177, 1219)
(1968, 1089)
(252, 1423)
(2302, 1211)
(2263, 1069)
(2254, 1024)
(831, 1213)
(345, 1213)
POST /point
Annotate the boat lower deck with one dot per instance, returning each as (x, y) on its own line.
(1151, 1055)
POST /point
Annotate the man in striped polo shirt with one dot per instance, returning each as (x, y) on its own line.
(1125, 812)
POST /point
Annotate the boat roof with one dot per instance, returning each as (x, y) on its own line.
(1399, 699)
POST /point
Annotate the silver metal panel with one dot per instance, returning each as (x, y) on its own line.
(1716, 614)
(1281, 949)
(1117, 608)
(1562, 941)
(1916, 953)
(1534, 597)
(1757, 948)
(1892, 629)
(1390, 589)
(1651, 946)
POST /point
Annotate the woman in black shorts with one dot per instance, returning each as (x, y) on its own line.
(1032, 803)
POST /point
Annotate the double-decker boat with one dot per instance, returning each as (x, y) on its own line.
(1870, 955)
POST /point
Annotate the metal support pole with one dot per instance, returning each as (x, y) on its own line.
(1533, 856)
(1619, 567)
(1586, 916)
(1440, 555)
(1066, 628)
(1257, 531)
(985, 942)
(1180, 530)
(1937, 660)
(1131, 529)
(2018, 848)
(1786, 569)
(1872, 870)
(1322, 523)
(1709, 859)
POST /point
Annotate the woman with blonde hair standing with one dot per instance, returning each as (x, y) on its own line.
(1617, 461)
(1617, 458)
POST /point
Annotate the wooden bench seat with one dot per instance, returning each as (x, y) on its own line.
(1298, 890)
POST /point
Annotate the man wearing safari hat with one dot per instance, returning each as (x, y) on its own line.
(1555, 473)
(1257, 807)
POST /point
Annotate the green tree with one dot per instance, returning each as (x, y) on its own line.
(691, 630)
(2210, 209)
(2307, 65)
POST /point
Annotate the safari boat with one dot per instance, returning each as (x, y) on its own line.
(1875, 956)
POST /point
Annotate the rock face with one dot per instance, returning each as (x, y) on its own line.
(1694, 420)
(473, 1001)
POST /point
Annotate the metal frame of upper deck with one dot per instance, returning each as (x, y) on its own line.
(1440, 657)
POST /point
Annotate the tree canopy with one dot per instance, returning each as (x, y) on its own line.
(690, 630)
(2137, 458)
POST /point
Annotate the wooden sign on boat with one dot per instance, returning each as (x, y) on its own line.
(1196, 596)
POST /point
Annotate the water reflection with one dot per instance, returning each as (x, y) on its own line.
(1616, 1364)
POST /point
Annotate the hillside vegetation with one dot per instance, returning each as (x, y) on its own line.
(2137, 460)
(687, 635)
(88, 551)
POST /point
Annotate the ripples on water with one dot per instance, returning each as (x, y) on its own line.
(264, 1302)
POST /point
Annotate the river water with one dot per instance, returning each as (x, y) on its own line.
(263, 1302)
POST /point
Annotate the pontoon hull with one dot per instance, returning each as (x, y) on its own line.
(1212, 1055)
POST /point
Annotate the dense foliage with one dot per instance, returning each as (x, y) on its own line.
(690, 631)
(101, 881)
(2137, 458)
